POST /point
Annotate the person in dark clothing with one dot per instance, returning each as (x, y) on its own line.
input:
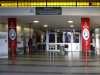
(66, 47)
(30, 43)
(24, 44)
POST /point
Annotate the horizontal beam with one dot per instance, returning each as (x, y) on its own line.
(17, 11)
(81, 11)
(65, 11)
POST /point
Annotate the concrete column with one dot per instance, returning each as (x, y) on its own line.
(12, 36)
(47, 40)
(85, 25)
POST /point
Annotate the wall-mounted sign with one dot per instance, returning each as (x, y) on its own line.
(49, 3)
(48, 11)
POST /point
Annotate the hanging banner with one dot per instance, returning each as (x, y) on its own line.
(85, 24)
(12, 36)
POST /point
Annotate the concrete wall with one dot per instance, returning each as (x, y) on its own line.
(97, 40)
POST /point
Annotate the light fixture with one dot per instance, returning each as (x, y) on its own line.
(36, 21)
(58, 30)
(70, 21)
(72, 26)
(18, 28)
(45, 25)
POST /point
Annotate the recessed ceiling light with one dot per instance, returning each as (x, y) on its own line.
(70, 21)
(45, 25)
(58, 30)
(71, 26)
(36, 21)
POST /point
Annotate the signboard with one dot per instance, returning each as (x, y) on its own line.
(49, 3)
(48, 11)
(85, 34)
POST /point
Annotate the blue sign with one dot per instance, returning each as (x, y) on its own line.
(48, 11)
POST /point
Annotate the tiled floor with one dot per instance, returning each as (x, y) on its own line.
(51, 64)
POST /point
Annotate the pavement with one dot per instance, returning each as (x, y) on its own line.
(51, 64)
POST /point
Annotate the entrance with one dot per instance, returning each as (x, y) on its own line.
(52, 33)
(64, 42)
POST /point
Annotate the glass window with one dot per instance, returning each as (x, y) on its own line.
(59, 37)
(76, 38)
(68, 37)
(51, 38)
(58, 47)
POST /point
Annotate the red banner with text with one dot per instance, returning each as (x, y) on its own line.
(85, 24)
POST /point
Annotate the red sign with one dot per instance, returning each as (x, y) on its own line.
(85, 23)
(12, 35)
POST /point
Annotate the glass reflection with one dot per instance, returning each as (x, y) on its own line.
(68, 37)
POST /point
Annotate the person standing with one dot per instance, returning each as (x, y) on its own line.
(30, 43)
(24, 45)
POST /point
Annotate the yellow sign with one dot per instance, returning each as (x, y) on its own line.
(49, 4)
